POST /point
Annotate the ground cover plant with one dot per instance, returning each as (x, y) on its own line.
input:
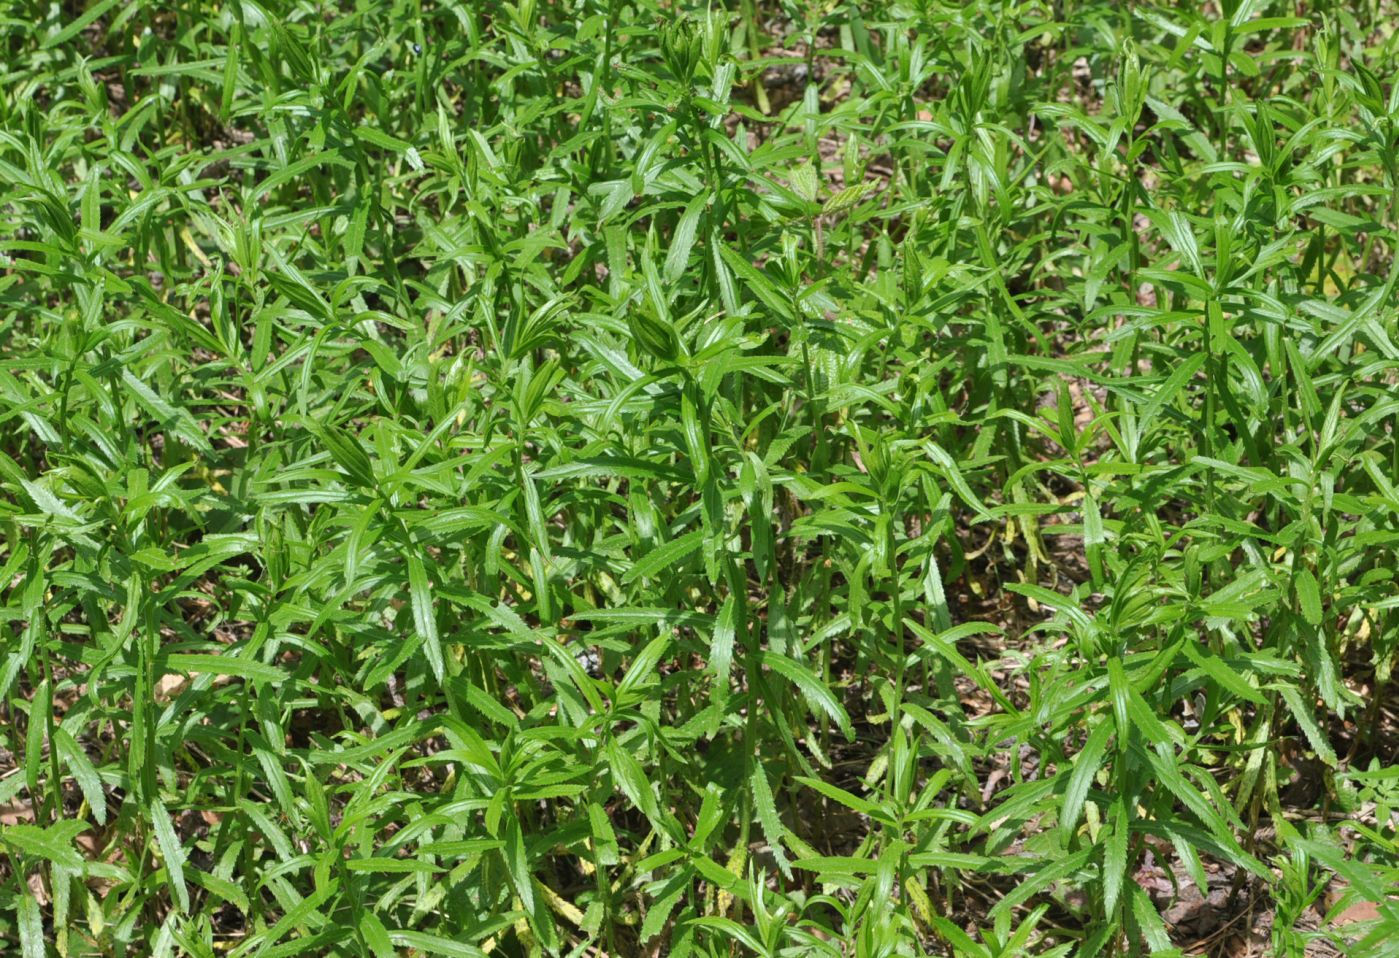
(620, 477)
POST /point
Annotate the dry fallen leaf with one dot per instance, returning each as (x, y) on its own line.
(18, 812)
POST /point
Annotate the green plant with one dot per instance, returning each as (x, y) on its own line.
(621, 477)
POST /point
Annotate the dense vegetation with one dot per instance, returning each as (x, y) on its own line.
(627, 477)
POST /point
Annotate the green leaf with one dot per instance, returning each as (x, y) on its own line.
(1114, 852)
(424, 617)
(434, 944)
(1149, 921)
(347, 453)
(171, 851)
(75, 26)
(53, 844)
(1086, 765)
(1217, 669)
(391, 866)
(847, 198)
(732, 930)
(678, 257)
(1308, 596)
(721, 647)
(604, 837)
(89, 783)
(517, 863)
(40, 712)
(805, 181)
(1306, 721)
(758, 284)
(631, 779)
(643, 666)
(225, 889)
(178, 420)
(1043, 877)
(1120, 690)
(660, 910)
(813, 689)
(379, 138)
(768, 818)
(948, 466)
(31, 926)
(664, 556)
(223, 665)
(375, 936)
(849, 800)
